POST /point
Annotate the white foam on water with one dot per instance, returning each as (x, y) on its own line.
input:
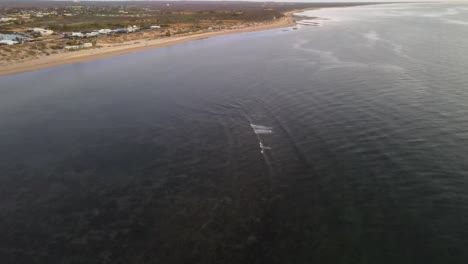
(261, 129)
(309, 22)
(263, 147)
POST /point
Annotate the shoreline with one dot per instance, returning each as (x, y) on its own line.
(141, 45)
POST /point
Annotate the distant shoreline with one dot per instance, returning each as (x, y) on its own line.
(126, 48)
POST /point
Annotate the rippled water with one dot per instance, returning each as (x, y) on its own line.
(342, 143)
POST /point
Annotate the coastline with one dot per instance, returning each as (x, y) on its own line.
(126, 48)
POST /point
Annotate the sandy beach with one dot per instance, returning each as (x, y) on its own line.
(134, 46)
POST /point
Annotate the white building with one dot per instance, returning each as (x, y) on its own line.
(8, 42)
(7, 19)
(132, 29)
(104, 31)
(155, 27)
(77, 34)
(92, 34)
(43, 32)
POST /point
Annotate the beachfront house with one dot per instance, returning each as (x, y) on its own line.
(131, 29)
(104, 31)
(77, 35)
(43, 32)
(92, 34)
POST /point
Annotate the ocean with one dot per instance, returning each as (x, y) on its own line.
(345, 142)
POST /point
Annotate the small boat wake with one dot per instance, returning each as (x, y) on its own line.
(262, 148)
(261, 130)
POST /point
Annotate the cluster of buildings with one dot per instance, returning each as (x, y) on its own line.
(69, 11)
(129, 29)
(27, 15)
(44, 14)
(100, 32)
(46, 32)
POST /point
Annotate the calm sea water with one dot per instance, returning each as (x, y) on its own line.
(342, 143)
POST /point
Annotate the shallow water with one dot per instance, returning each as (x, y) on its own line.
(342, 143)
